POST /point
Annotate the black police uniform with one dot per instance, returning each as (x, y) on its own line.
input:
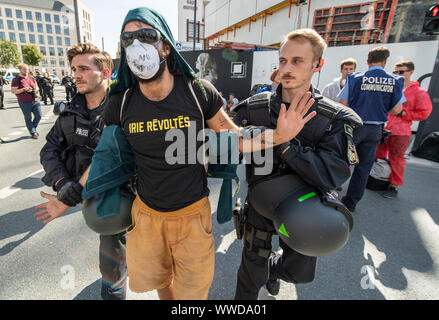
(67, 154)
(47, 86)
(2, 94)
(320, 155)
(70, 86)
(39, 80)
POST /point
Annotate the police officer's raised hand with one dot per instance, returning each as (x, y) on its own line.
(51, 209)
(291, 121)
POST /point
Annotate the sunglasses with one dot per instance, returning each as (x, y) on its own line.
(400, 71)
(145, 35)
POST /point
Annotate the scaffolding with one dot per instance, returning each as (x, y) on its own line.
(364, 23)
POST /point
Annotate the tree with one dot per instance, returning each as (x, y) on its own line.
(9, 54)
(31, 55)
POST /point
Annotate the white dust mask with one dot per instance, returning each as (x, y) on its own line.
(143, 59)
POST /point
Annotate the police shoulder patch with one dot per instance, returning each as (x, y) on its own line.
(352, 152)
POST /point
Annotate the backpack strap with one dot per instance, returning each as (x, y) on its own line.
(206, 164)
(122, 106)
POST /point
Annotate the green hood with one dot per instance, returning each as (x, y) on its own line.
(125, 78)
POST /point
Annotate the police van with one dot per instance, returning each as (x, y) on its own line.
(9, 73)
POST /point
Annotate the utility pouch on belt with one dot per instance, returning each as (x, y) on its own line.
(239, 217)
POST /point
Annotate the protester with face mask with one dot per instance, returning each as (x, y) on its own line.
(170, 246)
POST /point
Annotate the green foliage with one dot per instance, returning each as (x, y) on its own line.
(9, 54)
(31, 55)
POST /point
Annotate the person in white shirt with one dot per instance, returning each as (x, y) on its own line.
(332, 89)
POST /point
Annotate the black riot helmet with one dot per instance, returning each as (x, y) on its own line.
(109, 225)
(307, 220)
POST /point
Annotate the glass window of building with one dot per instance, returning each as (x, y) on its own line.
(53, 62)
(48, 28)
(32, 38)
(0, 12)
(38, 16)
(57, 29)
(29, 15)
(12, 37)
(59, 41)
(22, 37)
(18, 14)
(10, 25)
(56, 18)
(50, 40)
(30, 27)
(41, 39)
(8, 12)
(1, 24)
(66, 31)
(2, 36)
(43, 50)
(60, 52)
(62, 64)
(45, 62)
(20, 25)
(47, 17)
(65, 19)
(40, 27)
(52, 51)
(67, 41)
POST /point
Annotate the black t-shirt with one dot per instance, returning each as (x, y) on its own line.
(161, 185)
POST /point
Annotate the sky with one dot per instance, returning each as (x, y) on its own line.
(108, 17)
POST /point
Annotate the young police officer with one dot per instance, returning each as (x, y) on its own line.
(68, 152)
(319, 157)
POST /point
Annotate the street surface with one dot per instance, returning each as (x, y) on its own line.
(393, 251)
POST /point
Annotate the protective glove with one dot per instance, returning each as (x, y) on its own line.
(69, 192)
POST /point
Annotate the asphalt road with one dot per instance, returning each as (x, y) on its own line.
(393, 251)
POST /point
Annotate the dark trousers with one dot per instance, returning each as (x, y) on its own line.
(366, 139)
(254, 270)
(112, 264)
(2, 96)
(70, 92)
(47, 93)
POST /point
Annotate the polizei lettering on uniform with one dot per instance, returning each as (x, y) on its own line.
(381, 84)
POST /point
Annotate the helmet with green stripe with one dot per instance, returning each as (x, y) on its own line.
(303, 220)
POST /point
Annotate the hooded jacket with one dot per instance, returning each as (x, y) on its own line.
(125, 78)
(417, 108)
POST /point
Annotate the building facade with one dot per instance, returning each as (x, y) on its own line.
(340, 22)
(52, 26)
(186, 23)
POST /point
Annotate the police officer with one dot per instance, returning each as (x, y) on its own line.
(2, 94)
(39, 79)
(320, 155)
(69, 83)
(47, 86)
(68, 153)
(371, 94)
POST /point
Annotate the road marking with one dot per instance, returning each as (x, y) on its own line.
(7, 191)
(16, 133)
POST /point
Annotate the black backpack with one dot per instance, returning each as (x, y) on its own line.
(429, 147)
